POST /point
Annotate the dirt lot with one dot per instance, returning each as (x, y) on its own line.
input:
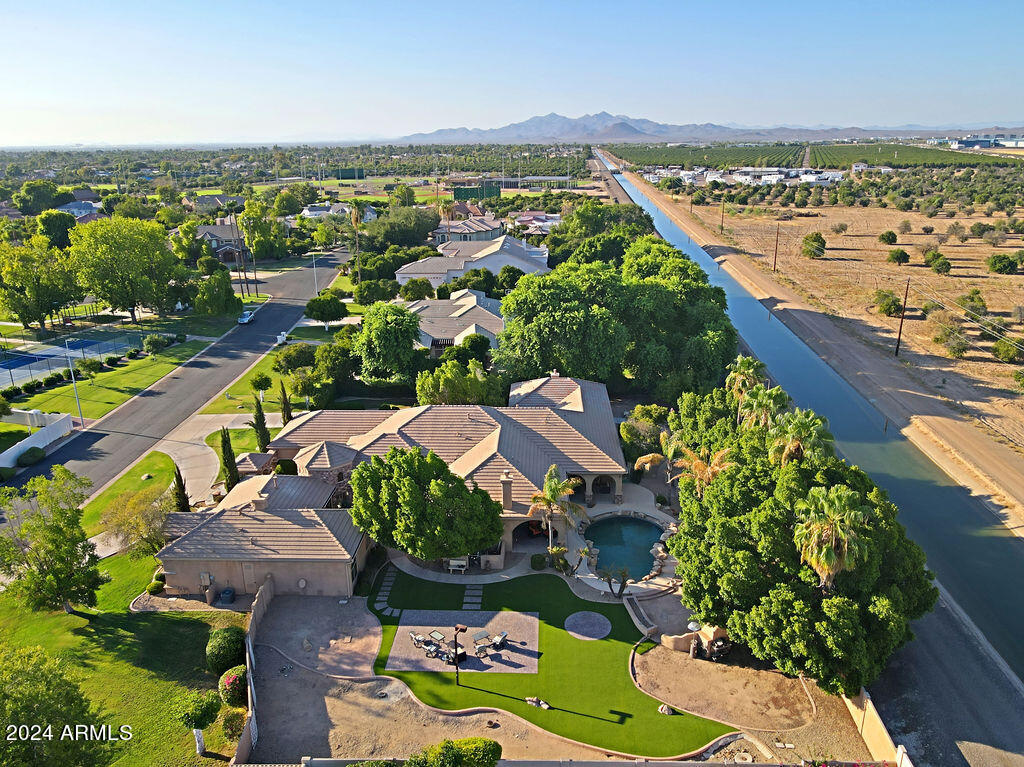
(758, 700)
(843, 284)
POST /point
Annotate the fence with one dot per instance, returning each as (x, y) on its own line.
(56, 426)
(37, 360)
(872, 729)
(250, 732)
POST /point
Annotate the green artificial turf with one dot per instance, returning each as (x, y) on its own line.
(587, 683)
(131, 665)
(129, 484)
(110, 388)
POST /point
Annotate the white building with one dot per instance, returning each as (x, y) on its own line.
(457, 258)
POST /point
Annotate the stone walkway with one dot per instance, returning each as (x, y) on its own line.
(473, 596)
(385, 591)
(407, 566)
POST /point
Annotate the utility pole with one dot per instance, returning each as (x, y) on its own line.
(74, 383)
(775, 261)
(903, 313)
(721, 226)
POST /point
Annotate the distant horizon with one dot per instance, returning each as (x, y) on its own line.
(244, 73)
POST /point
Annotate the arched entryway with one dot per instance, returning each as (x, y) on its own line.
(530, 537)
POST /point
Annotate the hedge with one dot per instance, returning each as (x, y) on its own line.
(31, 456)
(154, 588)
(232, 687)
(539, 561)
(225, 649)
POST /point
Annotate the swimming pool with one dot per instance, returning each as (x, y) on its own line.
(624, 542)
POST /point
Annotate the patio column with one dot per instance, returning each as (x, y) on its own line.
(618, 488)
(588, 489)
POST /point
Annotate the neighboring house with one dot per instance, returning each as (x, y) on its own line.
(445, 323)
(316, 210)
(88, 218)
(85, 195)
(457, 258)
(80, 208)
(225, 239)
(504, 450)
(472, 229)
(463, 209)
(206, 203)
(269, 525)
(535, 221)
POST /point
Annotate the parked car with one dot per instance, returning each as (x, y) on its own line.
(246, 318)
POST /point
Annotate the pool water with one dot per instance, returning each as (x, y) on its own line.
(624, 542)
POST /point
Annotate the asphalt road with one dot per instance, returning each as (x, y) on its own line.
(124, 436)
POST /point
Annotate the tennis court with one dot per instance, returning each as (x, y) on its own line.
(37, 360)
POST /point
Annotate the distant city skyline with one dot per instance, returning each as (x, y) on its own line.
(236, 73)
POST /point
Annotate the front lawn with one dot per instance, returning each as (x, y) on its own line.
(240, 393)
(127, 485)
(587, 683)
(131, 665)
(110, 388)
(242, 441)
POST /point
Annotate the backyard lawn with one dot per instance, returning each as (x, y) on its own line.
(11, 434)
(587, 683)
(105, 391)
(131, 665)
(129, 484)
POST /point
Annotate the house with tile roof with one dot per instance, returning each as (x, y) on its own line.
(287, 527)
(472, 229)
(506, 451)
(446, 322)
(457, 258)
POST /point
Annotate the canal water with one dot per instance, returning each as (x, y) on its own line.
(976, 558)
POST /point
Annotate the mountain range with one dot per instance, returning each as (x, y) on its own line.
(604, 127)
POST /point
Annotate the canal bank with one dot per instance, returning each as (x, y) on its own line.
(978, 560)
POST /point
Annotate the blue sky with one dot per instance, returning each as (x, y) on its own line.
(125, 72)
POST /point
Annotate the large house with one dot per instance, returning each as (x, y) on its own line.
(79, 208)
(457, 258)
(534, 221)
(505, 450)
(206, 203)
(445, 323)
(285, 526)
(472, 229)
(225, 239)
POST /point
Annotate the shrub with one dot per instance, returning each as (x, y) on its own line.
(1007, 350)
(66, 374)
(162, 577)
(6, 472)
(927, 229)
(225, 649)
(1001, 263)
(31, 456)
(234, 723)
(930, 255)
(840, 228)
(11, 392)
(941, 265)
(898, 256)
(957, 346)
(112, 360)
(232, 686)
(153, 343)
(972, 302)
(180, 338)
(888, 303)
(88, 366)
(661, 500)
(904, 227)
(888, 237)
(53, 379)
(30, 386)
(993, 328)
(286, 466)
(154, 588)
(539, 561)
(813, 246)
(1018, 377)
(466, 752)
(132, 354)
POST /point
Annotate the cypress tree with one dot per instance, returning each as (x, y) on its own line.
(180, 494)
(286, 404)
(259, 425)
(227, 457)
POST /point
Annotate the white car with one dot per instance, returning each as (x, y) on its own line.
(246, 318)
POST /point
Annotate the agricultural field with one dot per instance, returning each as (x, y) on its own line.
(899, 156)
(771, 155)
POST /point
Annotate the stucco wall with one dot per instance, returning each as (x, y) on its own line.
(323, 578)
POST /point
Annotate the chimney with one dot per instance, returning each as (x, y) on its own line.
(506, 490)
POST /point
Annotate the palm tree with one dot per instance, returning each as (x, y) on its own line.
(798, 434)
(827, 530)
(356, 213)
(702, 470)
(760, 406)
(671, 448)
(446, 208)
(744, 374)
(552, 500)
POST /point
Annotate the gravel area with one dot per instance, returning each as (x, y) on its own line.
(306, 714)
(588, 626)
(148, 603)
(518, 657)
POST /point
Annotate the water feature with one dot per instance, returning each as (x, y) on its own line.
(976, 558)
(624, 542)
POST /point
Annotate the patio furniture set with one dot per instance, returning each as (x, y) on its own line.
(436, 645)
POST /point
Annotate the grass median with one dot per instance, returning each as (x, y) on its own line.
(158, 465)
(110, 388)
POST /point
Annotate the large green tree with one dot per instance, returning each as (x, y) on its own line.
(44, 550)
(456, 384)
(124, 262)
(216, 295)
(263, 236)
(386, 343)
(754, 549)
(37, 196)
(37, 688)
(36, 281)
(186, 246)
(54, 225)
(414, 503)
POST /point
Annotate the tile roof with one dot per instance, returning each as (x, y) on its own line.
(458, 257)
(321, 456)
(253, 463)
(471, 225)
(466, 310)
(177, 523)
(279, 492)
(247, 534)
(327, 425)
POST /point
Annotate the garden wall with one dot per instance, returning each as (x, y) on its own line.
(872, 729)
(57, 425)
(250, 732)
